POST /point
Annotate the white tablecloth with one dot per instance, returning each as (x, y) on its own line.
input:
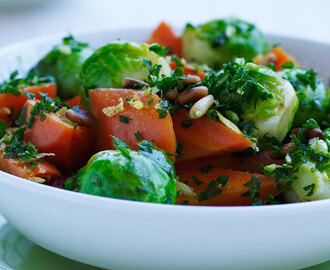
(299, 18)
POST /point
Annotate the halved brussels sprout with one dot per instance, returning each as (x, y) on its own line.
(311, 184)
(272, 116)
(312, 92)
(110, 64)
(147, 175)
(257, 95)
(219, 41)
(306, 169)
(64, 62)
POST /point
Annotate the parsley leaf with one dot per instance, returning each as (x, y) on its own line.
(196, 180)
(124, 119)
(310, 188)
(138, 136)
(223, 180)
(255, 185)
(211, 190)
(206, 168)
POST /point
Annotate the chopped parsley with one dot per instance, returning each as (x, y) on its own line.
(162, 82)
(196, 180)
(310, 188)
(15, 147)
(211, 190)
(288, 64)
(223, 180)
(179, 150)
(45, 105)
(255, 185)
(3, 127)
(163, 109)
(159, 49)
(187, 123)
(124, 119)
(150, 101)
(15, 85)
(286, 173)
(206, 169)
(74, 45)
(138, 136)
(185, 202)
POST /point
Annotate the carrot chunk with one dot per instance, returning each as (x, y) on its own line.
(10, 104)
(124, 119)
(206, 137)
(71, 144)
(14, 166)
(230, 194)
(165, 36)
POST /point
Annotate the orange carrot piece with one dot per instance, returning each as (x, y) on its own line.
(14, 166)
(145, 120)
(165, 36)
(189, 70)
(231, 193)
(75, 101)
(10, 102)
(282, 57)
(71, 145)
(206, 137)
(228, 161)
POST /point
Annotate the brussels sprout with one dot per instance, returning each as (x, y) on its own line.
(274, 115)
(313, 95)
(219, 41)
(110, 64)
(257, 95)
(307, 170)
(64, 62)
(147, 175)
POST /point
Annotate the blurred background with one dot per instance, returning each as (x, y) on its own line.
(22, 19)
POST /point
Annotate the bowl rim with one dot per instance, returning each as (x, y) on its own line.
(106, 202)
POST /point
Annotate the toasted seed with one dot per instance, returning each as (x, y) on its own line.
(132, 83)
(191, 79)
(201, 107)
(313, 133)
(193, 94)
(80, 117)
(294, 131)
(287, 148)
(268, 58)
(171, 94)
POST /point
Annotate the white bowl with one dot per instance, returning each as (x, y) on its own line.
(118, 234)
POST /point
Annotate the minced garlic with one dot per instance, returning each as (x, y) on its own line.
(138, 104)
(5, 110)
(114, 110)
(61, 112)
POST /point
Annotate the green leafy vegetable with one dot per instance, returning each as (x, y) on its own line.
(219, 41)
(312, 92)
(147, 175)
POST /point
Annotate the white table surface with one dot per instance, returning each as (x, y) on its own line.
(299, 18)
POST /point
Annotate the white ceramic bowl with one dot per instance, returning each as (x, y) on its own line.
(117, 234)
